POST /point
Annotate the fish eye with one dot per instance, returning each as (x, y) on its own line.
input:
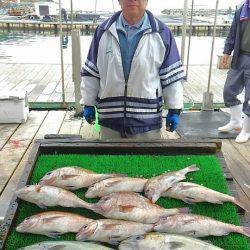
(138, 237)
(85, 226)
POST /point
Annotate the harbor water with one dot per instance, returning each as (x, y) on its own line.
(44, 48)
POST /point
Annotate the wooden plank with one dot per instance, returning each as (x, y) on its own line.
(244, 150)
(38, 80)
(50, 81)
(51, 124)
(70, 124)
(6, 130)
(56, 96)
(38, 74)
(13, 151)
(244, 199)
(238, 166)
(8, 214)
(20, 74)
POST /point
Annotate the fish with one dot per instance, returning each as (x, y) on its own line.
(132, 207)
(112, 185)
(112, 231)
(157, 241)
(157, 185)
(193, 193)
(65, 245)
(197, 226)
(73, 178)
(48, 196)
(53, 224)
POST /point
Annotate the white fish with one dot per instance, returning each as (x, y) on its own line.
(65, 245)
(197, 226)
(48, 196)
(156, 186)
(73, 178)
(156, 241)
(53, 224)
(132, 207)
(112, 185)
(193, 193)
(112, 231)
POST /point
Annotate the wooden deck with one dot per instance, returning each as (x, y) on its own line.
(16, 141)
(43, 82)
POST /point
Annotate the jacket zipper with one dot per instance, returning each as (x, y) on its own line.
(157, 96)
(126, 81)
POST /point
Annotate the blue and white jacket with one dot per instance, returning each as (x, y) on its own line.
(133, 106)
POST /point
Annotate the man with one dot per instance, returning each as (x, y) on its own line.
(132, 65)
(238, 77)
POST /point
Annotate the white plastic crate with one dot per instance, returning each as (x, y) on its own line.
(13, 107)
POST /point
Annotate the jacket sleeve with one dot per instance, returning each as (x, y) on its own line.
(90, 74)
(171, 73)
(229, 44)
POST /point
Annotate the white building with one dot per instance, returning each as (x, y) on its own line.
(46, 8)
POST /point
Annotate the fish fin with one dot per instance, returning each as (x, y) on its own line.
(126, 209)
(240, 204)
(38, 188)
(118, 175)
(192, 168)
(41, 205)
(109, 226)
(184, 210)
(189, 200)
(244, 230)
(176, 245)
(68, 176)
(53, 234)
(47, 220)
(70, 187)
(115, 239)
(191, 233)
(57, 247)
(110, 184)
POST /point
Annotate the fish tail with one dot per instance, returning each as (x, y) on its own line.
(192, 168)
(243, 230)
(239, 204)
(117, 175)
(86, 205)
(184, 210)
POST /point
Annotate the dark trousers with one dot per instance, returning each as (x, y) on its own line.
(238, 80)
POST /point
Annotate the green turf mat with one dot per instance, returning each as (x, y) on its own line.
(210, 175)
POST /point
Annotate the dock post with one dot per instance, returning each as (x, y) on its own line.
(61, 50)
(208, 96)
(184, 30)
(76, 67)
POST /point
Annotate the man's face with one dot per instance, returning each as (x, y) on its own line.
(135, 7)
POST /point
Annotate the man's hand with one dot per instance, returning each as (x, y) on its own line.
(89, 114)
(172, 120)
(225, 59)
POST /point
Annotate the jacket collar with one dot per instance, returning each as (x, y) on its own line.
(152, 20)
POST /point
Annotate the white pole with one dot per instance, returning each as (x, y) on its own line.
(95, 19)
(189, 39)
(113, 6)
(208, 96)
(71, 13)
(212, 49)
(76, 67)
(61, 50)
(184, 30)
